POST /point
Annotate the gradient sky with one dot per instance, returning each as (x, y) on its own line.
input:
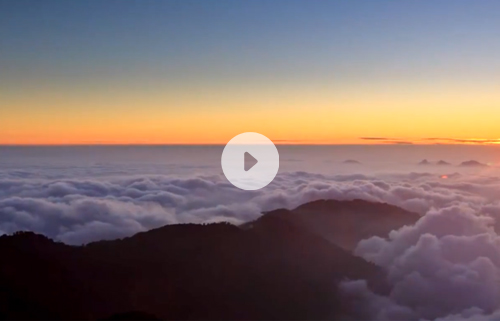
(93, 71)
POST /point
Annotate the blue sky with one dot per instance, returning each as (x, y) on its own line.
(191, 46)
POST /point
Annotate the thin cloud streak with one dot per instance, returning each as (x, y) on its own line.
(432, 140)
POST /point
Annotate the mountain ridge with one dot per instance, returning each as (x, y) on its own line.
(276, 269)
(358, 219)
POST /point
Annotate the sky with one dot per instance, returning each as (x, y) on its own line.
(201, 72)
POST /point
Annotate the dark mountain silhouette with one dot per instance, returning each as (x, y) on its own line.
(276, 268)
(472, 163)
(439, 163)
(352, 161)
(345, 223)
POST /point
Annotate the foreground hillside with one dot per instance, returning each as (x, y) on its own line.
(276, 268)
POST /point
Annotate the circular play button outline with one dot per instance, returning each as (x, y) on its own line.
(250, 161)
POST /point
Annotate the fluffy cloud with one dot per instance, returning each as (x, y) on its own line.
(445, 266)
(89, 207)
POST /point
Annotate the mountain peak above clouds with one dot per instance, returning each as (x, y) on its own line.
(352, 162)
(473, 163)
(443, 163)
(345, 223)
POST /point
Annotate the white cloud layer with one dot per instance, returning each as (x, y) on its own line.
(83, 209)
(445, 267)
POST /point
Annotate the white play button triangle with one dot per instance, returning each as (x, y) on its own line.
(250, 161)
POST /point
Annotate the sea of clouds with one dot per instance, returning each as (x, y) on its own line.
(445, 267)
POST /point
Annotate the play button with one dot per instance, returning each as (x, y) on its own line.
(250, 161)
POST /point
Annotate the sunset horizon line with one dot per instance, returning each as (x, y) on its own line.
(223, 144)
(360, 141)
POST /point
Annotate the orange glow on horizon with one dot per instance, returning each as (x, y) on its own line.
(307, 114)
(354, 141)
